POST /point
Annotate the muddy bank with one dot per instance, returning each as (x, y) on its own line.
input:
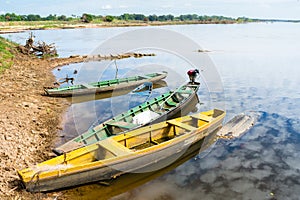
(29, 122)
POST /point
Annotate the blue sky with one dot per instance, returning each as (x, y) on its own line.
(279, 9)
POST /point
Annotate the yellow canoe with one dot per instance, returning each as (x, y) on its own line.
(142, 150)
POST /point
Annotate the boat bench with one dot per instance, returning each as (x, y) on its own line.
(202, 117)
(114, 147)
(171, 103)
(122, 124)
(182, 125)
(185, 91)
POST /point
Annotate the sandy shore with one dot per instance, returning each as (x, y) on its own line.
(29, 122)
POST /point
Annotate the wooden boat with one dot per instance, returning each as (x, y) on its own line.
(104, 86)
(155, 110)
(133, 151)
(109, 94)
(147, 86)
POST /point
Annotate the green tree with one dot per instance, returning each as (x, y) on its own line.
(162, 18)
(125, 16)
(139, 17)
(87, 18)
(170, 17)
(51, 17)
(152, 18)
(62, 18)
(109, 18)
(32, 17)
(2, 18)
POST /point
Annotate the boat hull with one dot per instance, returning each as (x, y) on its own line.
(149, 160)
(180, 110)
(97, 90)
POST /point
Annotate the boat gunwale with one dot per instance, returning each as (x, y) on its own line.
(59, 150)
(78, 90)
(131, 156)
(145, 105)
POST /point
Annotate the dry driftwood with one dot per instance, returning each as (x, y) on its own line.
(41, 49)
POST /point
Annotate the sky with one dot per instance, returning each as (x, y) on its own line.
(275, 9)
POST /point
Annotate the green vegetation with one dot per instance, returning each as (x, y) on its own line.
(125, 17)
(5, 54)
(109, 18)
(87, 18)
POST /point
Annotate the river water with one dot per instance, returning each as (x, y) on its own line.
(258, 66)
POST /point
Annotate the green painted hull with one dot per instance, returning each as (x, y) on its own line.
(105, 86)
(163, 107)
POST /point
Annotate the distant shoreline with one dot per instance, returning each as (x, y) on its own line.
(15, 27)
(21, 26)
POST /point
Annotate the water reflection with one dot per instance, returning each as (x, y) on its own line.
(129, 181)
(87, 110)
(81, 121)
(262, 164)
(258, 64)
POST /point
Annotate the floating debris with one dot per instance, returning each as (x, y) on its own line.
(237, 126)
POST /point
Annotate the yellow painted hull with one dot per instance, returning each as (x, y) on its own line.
(142, 150)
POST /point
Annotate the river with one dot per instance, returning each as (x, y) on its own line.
(257, 64)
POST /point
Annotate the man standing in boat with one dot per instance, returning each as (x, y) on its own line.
(193, 73)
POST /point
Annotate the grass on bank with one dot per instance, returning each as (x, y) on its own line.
(6, 55)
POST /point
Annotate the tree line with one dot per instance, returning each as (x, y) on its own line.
(127, 17)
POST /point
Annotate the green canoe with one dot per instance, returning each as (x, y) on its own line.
(160, 108)
(105, 86)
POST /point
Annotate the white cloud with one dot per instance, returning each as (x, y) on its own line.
(107, 7)
(167, 6)
(123, 6)
(2, 12)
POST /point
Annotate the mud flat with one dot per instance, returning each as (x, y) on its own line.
(29, 122)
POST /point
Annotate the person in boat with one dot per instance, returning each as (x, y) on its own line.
(193, 73)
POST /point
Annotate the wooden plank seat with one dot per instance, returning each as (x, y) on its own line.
(114, 147)
(122, 124)
(171, 103)
(202, 117)
(185, 91)
(182, 125)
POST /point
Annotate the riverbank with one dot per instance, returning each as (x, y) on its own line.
(20, 26)
(29, 122)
